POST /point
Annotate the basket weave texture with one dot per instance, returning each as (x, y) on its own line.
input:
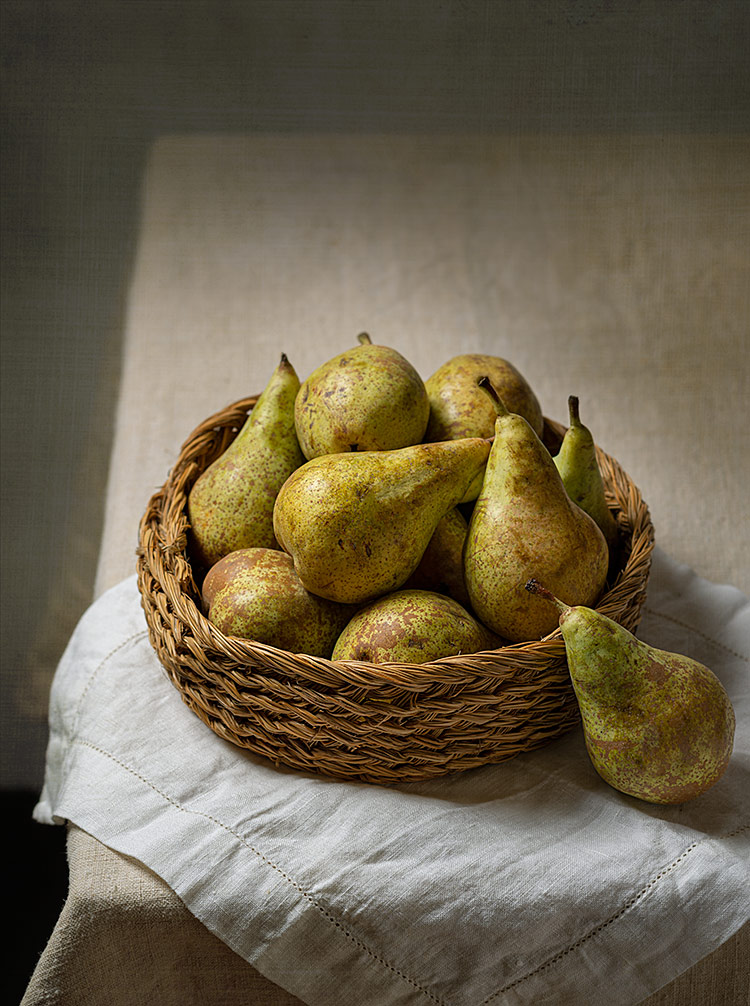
(386, 723)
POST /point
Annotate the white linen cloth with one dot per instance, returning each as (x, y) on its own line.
(526, 882)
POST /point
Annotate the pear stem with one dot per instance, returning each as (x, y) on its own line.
(489, 388)
(284, 359)
(364, 338)
(534, 587)
(575, 418)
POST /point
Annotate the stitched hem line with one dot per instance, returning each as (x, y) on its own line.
(336, 923)
(697, 632)
(613, 918)
(73, 739)
(69, 731)
(92, 677)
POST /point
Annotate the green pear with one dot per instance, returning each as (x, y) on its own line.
(357, 524)
(581, 475)
(458, 408)
(658, 725)
(254, 593)
(525, 524)
(412, 626)
(441, 568)
(230, 506)
(369, 398)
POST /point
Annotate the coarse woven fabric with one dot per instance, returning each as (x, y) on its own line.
(124, 937)
(526, 882)
(613, 268)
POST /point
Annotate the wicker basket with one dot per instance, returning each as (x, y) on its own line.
(386, 723)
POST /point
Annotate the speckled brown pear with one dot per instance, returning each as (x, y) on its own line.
(524, 524)
(579, 469)
(441, 568)
(458, 408)
(412, 626)
(369, 398)
(658, 726)
(255, 594)
(357, 524)
(230, 506)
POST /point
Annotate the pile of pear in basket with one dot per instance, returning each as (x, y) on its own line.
(369, 576)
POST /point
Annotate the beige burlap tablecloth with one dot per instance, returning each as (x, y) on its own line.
(613, 268)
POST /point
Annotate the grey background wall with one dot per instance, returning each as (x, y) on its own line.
(88, 87)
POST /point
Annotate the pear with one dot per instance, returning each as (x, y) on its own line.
(525, 524)
(459, 409)
(254, 593)
(412, 626)
(369, 398)
(441, 568)
(658, 725)
(230, 506)
(357, 524)
(581, 475)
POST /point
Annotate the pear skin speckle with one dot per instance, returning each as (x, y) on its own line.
(369, 398)
(230, 506)
(412, 626)
(525, 525)
(459, 409)
(441, 568)
(579, 469)
(357, 524)
(255, 594)
(658, 726)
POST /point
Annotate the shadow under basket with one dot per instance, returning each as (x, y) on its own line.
(379, 723)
